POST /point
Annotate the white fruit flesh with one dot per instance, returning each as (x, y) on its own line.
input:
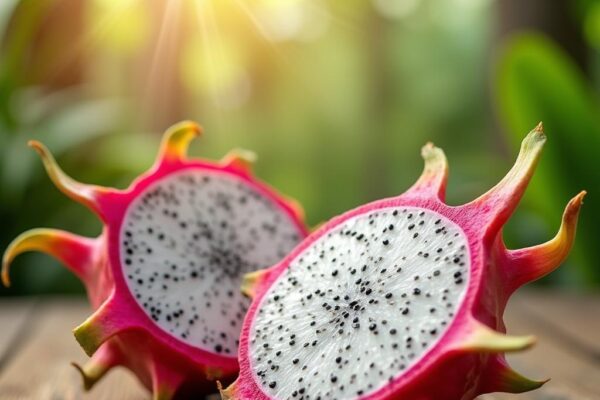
(185, 243)
(360, 306)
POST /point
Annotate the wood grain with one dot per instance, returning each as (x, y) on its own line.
(574, 376)
(37, 346)
(42, 370)
(573, 315)
(14, 314)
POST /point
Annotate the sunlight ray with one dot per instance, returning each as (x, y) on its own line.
(164, 49)
(205, 33)
(281, 56)
(255, 21)
(341, 22)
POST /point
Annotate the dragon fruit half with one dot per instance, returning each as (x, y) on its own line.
(401, 298)
(164, 274)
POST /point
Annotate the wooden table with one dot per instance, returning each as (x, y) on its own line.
(36, 348)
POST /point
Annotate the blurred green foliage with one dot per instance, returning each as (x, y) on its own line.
(336, 98)
(537, 82)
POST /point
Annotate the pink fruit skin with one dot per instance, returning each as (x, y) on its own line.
(112, 209)
(457, 367)
(120, 333)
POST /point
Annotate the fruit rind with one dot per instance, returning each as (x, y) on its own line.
(485, 339)
(160, 360)
(535, 262)
(106, 322)
(252, 281)
(433, 179)
(74, 251)
(240, 159)
(493, 208)
(89, 195)
(98, 366)
(500, 377)
(230, 393)
(176, 141)
(468, 359)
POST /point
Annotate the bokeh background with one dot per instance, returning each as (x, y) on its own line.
(336, 97)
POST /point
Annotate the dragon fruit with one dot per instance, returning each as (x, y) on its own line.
(401, 298)
(163, 276)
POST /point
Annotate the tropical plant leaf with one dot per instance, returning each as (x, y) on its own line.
(536, 81)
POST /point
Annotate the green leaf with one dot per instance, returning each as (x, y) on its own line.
(536, 81)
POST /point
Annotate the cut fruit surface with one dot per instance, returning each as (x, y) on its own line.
(399, 298)
(185, 243)
(378, 290)
(163, 275)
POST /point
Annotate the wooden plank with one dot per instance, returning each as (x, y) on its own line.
(14, 314)
(573, 375)
(576, 316)
(42, 370)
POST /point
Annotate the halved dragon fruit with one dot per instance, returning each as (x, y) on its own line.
(164, 274)
(398, 299)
